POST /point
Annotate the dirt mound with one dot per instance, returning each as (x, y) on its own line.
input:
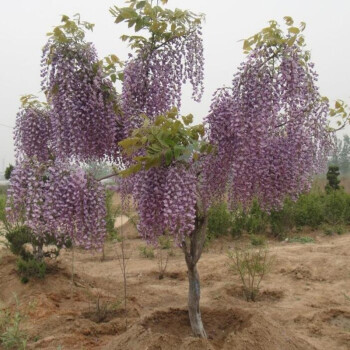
(237, 329)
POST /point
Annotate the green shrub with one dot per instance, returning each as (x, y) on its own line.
(146, 252)
(257, 240)
(31, 268)
(309, 210)
(256, 220)
(16, 238)
(283, 220)
(238, 223)
(219, 220)
(334, 206)
(252, 266)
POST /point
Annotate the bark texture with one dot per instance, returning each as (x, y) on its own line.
(193, 250)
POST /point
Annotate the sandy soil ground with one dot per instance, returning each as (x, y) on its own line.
(303, 303)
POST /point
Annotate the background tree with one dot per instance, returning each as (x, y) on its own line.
(8, 172)
(332, 177)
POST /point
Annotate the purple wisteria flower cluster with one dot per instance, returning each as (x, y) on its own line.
(166, 202)
(269, 129)
(32, 134)
(58, 200)
(153, 79)
(82, 101)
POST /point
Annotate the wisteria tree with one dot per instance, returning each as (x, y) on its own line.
(264, 138)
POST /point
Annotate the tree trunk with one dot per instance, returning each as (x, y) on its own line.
(193, 252)
(193, 303)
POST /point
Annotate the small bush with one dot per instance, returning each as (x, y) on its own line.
(251, 266)
(256, 240)
(147, 252)
(31, 268)
(17, 237)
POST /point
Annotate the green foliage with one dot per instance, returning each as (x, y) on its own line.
(340, 111)
(147, 252)
(8, 171)
(251, 266)
(309, 210)
(219, 220)
(163, 25)
(283, 220)
(70, 30)
(166, 140)
(11, 333)
(335, 207)
(332, 177)
(257, 240)
(111, 213)
(31, 268)
(256, 220)
(17, 237)
(303, 240)
(164, 242)
(274, 37)
(3, 219)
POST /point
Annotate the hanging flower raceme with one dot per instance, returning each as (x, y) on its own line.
(166, 202)
(269, 129)
(83, 101)
(153, 79)
(32, 133)
(56, 199)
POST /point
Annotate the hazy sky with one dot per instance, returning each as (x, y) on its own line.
(24, 25)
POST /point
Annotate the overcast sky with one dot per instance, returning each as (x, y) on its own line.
(24, 25)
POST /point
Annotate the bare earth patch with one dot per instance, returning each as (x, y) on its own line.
(302, 305)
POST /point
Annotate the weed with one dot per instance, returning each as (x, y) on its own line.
(11, 334)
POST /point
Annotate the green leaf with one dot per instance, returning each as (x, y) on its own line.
(128, 12)
(294, 30)
(119, 19)
(168, 157)
(246, 45)
(289, 20)
(113, 78)
(291, 41)
(140, 4)
(338, 104)
(188, 119)
(139, 25)
(131, 170)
